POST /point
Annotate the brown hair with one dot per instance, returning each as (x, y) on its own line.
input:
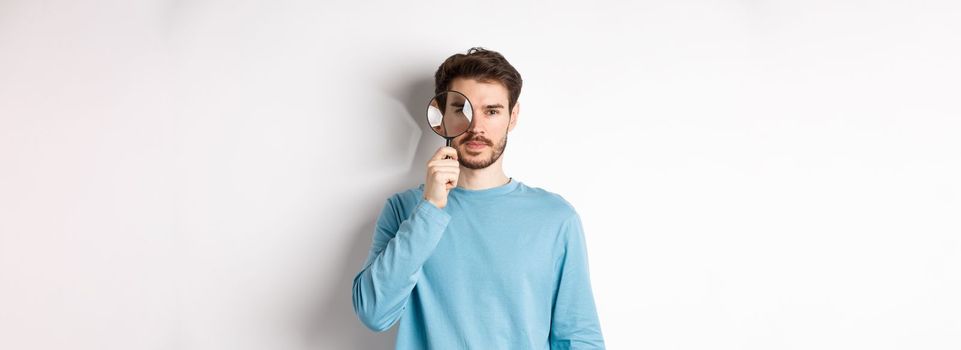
(482, 65)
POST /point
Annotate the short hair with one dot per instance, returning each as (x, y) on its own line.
(482, 65)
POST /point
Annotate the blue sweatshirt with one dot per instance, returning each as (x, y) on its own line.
(498, 268)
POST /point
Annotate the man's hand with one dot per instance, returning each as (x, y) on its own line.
(441, 176)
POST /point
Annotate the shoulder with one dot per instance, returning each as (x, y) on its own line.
(559, 216)
(403, 202)
(548, 202)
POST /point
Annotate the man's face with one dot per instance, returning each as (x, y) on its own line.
(485, 140)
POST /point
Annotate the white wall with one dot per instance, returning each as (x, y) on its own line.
(751, 174)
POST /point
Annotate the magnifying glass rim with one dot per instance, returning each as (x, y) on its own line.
(427, 112)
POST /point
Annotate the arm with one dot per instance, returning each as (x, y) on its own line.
(574, 323)
(399, 249)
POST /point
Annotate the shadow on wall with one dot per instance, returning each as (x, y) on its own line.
(333, 323)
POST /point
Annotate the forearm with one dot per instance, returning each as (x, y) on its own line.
(574, 323)
(383, 286)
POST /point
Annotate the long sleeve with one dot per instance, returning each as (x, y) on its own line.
(399, 249)
(574, 322)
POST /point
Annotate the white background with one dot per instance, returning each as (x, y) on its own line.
(751, 174)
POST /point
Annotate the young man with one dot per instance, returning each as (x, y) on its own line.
(473, 259)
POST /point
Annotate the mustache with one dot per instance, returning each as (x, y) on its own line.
(478, 139)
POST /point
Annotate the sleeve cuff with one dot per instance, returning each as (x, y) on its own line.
(431, 212)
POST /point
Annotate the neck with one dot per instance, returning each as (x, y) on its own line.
(480, 179)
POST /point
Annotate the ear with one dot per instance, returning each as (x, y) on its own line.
(514, 113)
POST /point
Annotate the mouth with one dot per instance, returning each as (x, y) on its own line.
(475, 145)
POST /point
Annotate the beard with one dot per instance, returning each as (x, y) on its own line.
(471, 163)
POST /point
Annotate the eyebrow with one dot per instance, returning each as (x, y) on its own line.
(461, 104)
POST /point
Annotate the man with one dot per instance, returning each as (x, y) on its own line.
(473, 259)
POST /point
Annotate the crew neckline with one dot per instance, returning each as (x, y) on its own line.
(487, 192)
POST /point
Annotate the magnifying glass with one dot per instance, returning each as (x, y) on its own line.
(449, 114)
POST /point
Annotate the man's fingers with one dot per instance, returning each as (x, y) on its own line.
(444, 166)
(444, 152)
(443, 163)
(442, 173)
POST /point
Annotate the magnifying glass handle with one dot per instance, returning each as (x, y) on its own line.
(448, 145)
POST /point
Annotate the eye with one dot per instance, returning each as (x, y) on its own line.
(493, 111)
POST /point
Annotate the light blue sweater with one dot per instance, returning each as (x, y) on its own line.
(499, 268)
